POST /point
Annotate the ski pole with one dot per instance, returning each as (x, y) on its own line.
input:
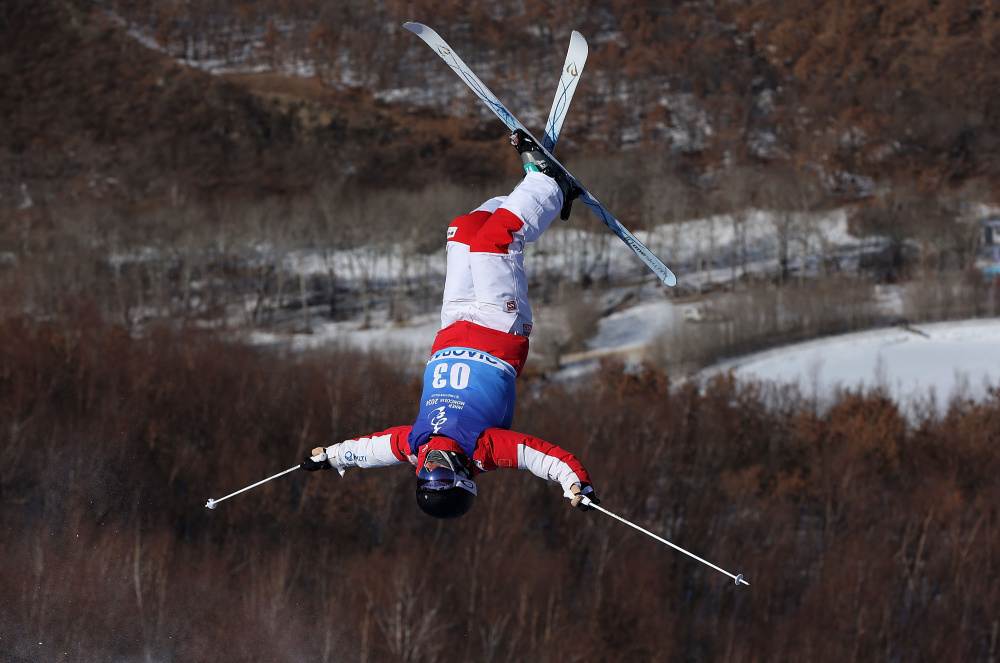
(588, 502)
(211, 504)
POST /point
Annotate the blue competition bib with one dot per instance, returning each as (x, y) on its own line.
(465, 392)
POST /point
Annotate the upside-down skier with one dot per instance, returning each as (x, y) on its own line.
(467, 404)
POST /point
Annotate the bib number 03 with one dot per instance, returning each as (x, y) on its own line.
(457, 377)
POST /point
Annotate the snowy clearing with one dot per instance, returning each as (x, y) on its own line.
(942, 361)
(410, 342)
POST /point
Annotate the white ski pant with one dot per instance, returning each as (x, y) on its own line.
(485, 283)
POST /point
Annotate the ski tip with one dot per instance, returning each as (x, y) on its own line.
(666, 275)
(415, 28)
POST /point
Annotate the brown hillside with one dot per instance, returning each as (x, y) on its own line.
(88, 110)
(919, 79)
(903, 91)
(907, 92)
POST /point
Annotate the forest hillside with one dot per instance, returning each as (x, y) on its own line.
(863, 537)
(904, 93)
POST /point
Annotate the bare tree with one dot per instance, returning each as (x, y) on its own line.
(667, 200)
(893, 216)
(775, 196)
(737, 194)
(409, 624)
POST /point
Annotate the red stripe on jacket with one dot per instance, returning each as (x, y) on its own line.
(497, 233)
(468, 226)
(512, 349)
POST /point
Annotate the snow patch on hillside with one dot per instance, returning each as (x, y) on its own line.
(941, 361)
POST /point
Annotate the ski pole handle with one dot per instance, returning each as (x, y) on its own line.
(319, 458)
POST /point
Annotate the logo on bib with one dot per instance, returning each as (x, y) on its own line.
(511, 306)
(438, 420)
(451, 232)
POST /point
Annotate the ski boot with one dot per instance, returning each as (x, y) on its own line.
(535, 160)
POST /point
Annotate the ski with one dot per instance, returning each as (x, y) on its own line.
(576, 58)
(446, 53)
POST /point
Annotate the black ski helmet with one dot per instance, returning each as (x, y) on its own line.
(445, 488)
(447, 503)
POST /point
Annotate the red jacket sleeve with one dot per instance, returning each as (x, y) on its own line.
(503, 448)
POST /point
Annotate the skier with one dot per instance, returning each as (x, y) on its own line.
(468, 397)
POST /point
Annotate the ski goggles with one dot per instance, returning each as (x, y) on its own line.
(440, 471)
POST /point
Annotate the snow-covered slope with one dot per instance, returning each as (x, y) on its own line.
(943, 360)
